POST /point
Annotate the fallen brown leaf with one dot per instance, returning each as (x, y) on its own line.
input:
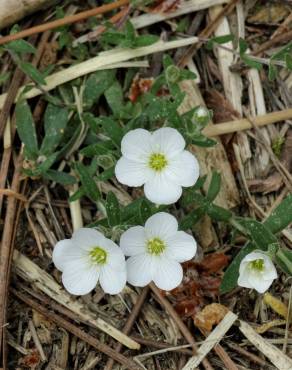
(211, 315)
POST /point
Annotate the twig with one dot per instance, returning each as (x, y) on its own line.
(64, 21)
(251, 356)
(245, 124)
(129, 324)
(14, 194)
(36, 340)
(283, 37)
(184, 330)
(95, 343)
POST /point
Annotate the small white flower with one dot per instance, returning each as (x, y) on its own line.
(156, 251)
(257, 271)
(89, 257)
(159, 161)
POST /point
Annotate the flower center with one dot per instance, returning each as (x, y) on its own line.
(258, 265)
(155, 246)
(98, 255)
(157, 161)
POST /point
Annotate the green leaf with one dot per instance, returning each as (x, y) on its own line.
(281, 217)
(202, 141)
(107, 174)
(145, 40)
(32, 72)
(97, 149)
(284, 259)
(89, 186)
(20, 47)
(60, 177)
(4, 77)
(96, 85)
(46, 164)
(231, 275)
(129, 31)
(112, 129)
(114, 97)
(214, 186)
(218, 213)
(55, 122)
(113, 209)
(192, 218)
(251, 62)
(145, 211)
(242, 46)
(219, 40)
(167, 61)
(26, 129)
(272, 74)
(260, 233)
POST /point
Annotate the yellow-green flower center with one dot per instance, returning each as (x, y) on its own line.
(155, 246)
(98, 255)
(157, 161)
(258, 265)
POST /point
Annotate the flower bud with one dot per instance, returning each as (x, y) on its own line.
(172, 74)
(202, 115)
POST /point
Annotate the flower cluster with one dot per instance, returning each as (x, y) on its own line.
(156, 251)
(160, 162)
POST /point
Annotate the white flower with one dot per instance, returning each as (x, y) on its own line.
(88, 257)
(257, 271)
(156, 251)
(159, 161)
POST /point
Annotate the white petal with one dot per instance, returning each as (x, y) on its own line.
(254, 256)
(115, 255)
(160, 190)
(111, 280)
(87, 238)
(181, 247)
(258, 283)
(79, 279)
(168, 274)
(168, 141)
(161, 225)
(133, 241)
(139, 270)
(243, 279)
(183, 169)
(65, 252)
(136, 145)
(132, 173)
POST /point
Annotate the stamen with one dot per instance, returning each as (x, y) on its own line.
(98, 255)
(157, 161)
(155, 246)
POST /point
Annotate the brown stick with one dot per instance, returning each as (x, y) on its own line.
(62, 22)
(229, 364)
(95, 343)
(129, 324)
(283, 37)
(180, 324)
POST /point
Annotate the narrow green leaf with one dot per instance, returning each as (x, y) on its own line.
(46, 164)
(89, 186)
(60, 177)
(97, 149)
(242, 46)
(284, 259)
(214, 186)
(55, 122)
(281, 217)
(272, 74)
(251, 62)
(288, 60)
(26, 129)
(203, 141)
(77, 195)
(114, 97)
(96, 85)
(218, 213)
(145, 40)
(112, 129)
(20, 47)
(113, 209)
(219, 40)
(260, 233)
(32, 72)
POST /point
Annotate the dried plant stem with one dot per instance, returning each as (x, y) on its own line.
(160, 345)
(184, 330)
(245, 124)
(95, 343)
(129, 324)
(62, 22)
